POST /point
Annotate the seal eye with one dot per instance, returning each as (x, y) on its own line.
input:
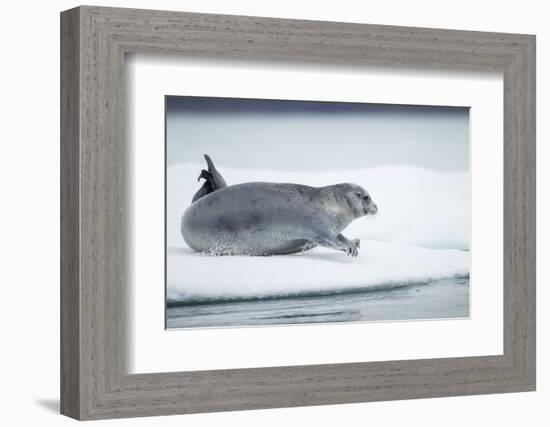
(359, 195)
(367, 198)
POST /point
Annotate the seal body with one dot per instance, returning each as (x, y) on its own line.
(261, 218)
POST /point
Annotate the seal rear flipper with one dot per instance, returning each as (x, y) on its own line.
(213, 180)
(216, 178)
(205, 189)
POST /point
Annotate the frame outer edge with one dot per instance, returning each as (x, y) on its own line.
(532, 137)
(520, 216)
(70, 396)
(528, 167)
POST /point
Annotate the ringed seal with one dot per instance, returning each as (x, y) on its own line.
(262, 218)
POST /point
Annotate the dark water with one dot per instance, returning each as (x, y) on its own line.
(447, 298)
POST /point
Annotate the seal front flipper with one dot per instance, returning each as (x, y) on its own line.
(340, 243)
(213, 180)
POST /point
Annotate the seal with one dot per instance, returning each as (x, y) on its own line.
(263, 218)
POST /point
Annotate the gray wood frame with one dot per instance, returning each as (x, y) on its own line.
(94, 41)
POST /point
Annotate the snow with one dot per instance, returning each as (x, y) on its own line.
(193, 276)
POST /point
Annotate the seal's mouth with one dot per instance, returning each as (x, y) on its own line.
(371, 210)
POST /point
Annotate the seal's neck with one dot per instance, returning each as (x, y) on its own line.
(335, 204)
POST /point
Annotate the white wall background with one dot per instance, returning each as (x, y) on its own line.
(29, 180)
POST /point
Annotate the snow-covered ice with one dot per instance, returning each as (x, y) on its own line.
(420, 234)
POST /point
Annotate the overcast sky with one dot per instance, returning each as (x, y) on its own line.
(315, 136)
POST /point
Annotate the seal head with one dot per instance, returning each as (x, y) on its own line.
(357, 200)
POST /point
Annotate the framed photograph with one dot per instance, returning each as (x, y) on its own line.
(262, 213)
(270, 248)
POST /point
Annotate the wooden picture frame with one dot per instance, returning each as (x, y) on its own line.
(94, 382)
